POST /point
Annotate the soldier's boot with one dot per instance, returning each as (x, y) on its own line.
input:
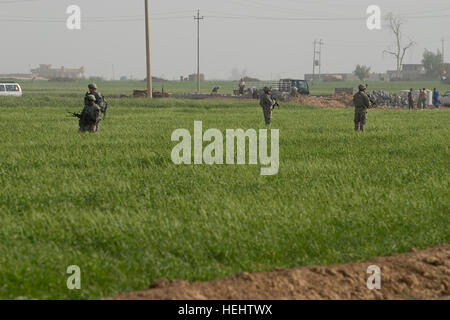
(356, 127)
(362, 128)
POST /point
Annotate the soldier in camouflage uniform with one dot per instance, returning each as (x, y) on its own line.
(267, 104)
(362, 103)
(90, 116)
(99, 99)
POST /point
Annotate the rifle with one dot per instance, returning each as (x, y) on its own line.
(276, 104)
(372, 99)
(103, 108)
(75, 115)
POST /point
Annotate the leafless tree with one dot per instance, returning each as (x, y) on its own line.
(395, 26)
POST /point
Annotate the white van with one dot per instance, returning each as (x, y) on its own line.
(10, 89)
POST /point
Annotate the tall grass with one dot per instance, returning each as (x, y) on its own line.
(115, 205)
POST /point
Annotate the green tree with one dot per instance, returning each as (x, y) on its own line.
(433, 64)
(362, 72)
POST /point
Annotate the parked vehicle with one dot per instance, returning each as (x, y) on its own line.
(10, 89)
(445, 99)
(280, 89)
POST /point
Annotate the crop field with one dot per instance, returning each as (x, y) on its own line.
(114, 204)
(114, 89)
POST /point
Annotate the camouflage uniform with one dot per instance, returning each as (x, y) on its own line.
(362, 103)
(267, 105)
(90, 118)
(99, 101)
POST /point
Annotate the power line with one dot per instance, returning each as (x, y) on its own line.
(270, 6)
(16, 1)
(272, 18)
(286, 18)
(96, 20)
(214, 15)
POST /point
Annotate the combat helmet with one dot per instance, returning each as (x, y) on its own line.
(91, 97)
(266, 89)
(92, 86)
(362, 87)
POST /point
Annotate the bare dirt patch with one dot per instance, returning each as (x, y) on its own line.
(341, 100)
(415, 275)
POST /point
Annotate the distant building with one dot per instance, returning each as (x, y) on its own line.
(413, 72)
(156, 79)
(250, 79)
(345, 77)
(391, 75)
(46, 71)
(193, 77)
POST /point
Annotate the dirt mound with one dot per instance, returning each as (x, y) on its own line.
(414, 275)
(341, 100)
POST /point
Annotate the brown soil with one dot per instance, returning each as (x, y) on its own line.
(414, 275)
(341, 100)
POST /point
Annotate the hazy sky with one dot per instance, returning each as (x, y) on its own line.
(234, 34)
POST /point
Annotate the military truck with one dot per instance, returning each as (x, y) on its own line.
(280, 89)
(286, 85)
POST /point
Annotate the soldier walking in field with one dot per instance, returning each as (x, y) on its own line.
(99, 99)
(267, 104)
(90, 116)
(362, 103)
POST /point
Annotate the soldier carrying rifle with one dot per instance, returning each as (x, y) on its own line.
(90, 117)
(268, 103)
(362, 102)
(99, 99)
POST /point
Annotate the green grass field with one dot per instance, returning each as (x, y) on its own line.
(115, 205)
(114, 89)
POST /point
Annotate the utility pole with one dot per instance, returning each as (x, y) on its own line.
(443, 50)
(113, 73)
(314, 62)
(317, 58)
(147, 38)
(198, 18)
(320, 58)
